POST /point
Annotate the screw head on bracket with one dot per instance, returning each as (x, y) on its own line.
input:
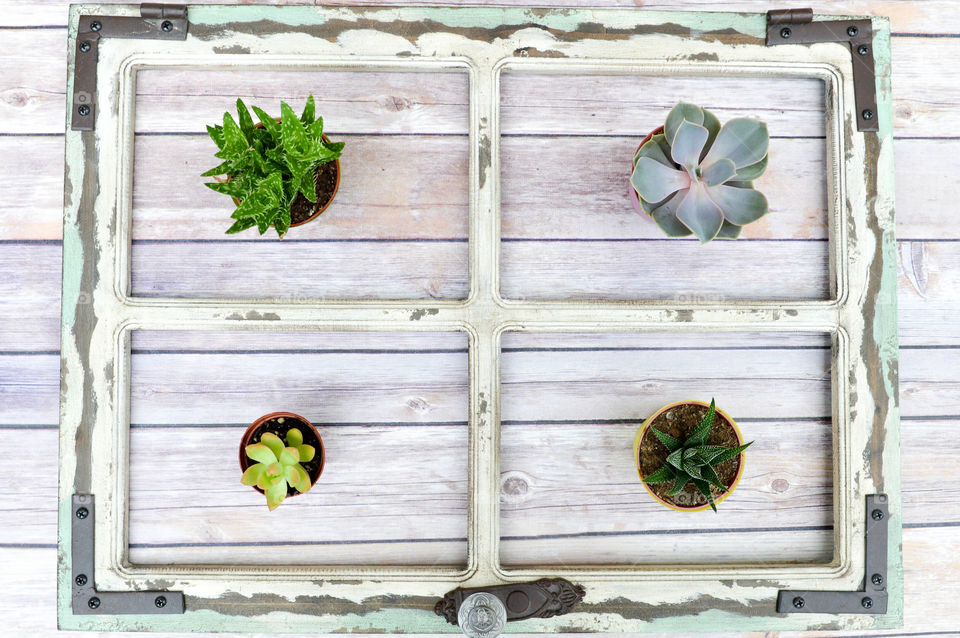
(876, 515)
(868, 115)
(852, 31)
(80, 580)
(93, 603)
(867, 602)
(95, 26)
(160, 602)
(83, 512)
(166, 25)
(785, 33)
(876, 579)
(84, 46)
(863, 49)
(799, 602)
(84, 110)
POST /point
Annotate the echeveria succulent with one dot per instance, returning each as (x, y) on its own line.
(268, 165)
(697, 177)
(693, 460)
(278, 465)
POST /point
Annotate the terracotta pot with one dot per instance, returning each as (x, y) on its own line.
(255, 430)
(320, 207)
(634, 198)
(638, 442)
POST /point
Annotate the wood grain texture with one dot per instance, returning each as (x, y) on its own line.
(925, 16)
(388, 495)
(31, 102)
(781, 511)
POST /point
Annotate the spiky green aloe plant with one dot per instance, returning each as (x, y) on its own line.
(278, 465)
(269, 165)
(697, 177)
(693, 461)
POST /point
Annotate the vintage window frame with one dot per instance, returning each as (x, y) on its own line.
(99, 315)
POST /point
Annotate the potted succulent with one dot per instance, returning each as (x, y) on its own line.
(693, 176)
(281, 455)
(281, 172)
(689, 455)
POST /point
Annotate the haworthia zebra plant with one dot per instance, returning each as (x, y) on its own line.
(268, 165)
(278, 465)
(697, 177)
(693, 460)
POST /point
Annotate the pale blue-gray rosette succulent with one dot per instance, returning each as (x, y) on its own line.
(697, 177)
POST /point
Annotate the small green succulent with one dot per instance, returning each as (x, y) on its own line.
(697, 177)
(278, 465)
(268, 165)
(693, 460)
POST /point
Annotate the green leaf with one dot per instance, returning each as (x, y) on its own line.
(699, 213)
(729, 230)
(335, 147)
(276, 494)
(216, 134)
(304, 485)
(274, 470)
(235, 145)
(687, 145)
(709, 452)
(252, 474)
(238, 187)
(739, 205)
(307, 452)
(273, 442)
(654, 151)
(679, 483)
(308, 185)
(308, 111)
(281, 221)
(270, 125)
(246, 122)
(704, 489)
(220, 169)
(668, 441)
(315, 130)
(682, 112)
(294, 437)
(291, 475)
(675, 459)
(655, 182)
(753, 171)
(692, 469)
(261, 453)
(289, 456)
(296, 142)
(702, 431)
(265, 197)
(742, 140)
(710, 475)
(241, 225)
(730, 453)
(664, 475)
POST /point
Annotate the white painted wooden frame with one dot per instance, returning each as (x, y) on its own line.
(99, 314)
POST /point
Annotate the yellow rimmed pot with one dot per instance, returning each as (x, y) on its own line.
(679, 419)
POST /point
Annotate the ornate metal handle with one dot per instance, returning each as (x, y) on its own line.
(478, 616)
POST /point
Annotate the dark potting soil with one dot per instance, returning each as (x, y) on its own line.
(325, 177)
(280, 429)
(679, 422)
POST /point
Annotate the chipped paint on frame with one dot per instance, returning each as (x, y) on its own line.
(98, 315)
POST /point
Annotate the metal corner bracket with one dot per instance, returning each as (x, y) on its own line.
(796, 26)
(87, 600)
(872, 598)
(156, 22)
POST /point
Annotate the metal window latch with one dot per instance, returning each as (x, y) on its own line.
(796, 26)
(156, 22)
(872, 598)
(86, 598)
(481, 612)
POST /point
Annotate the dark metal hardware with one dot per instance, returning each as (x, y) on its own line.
(86, 598)
(544, 598)
(872, 598)
(156, 22)
(796, 26)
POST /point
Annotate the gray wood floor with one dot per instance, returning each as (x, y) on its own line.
(396, 408)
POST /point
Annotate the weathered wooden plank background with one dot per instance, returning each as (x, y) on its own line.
(409, 131)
